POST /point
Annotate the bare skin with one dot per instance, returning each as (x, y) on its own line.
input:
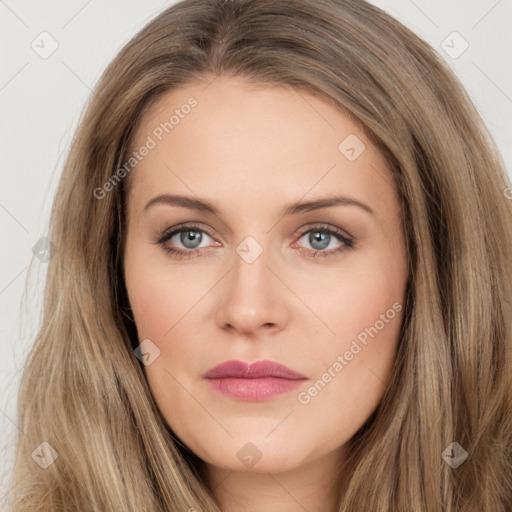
(251, 151)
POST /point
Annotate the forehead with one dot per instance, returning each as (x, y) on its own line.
(240, 141)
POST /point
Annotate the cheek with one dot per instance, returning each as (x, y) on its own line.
(161, 315)
(364, 310)
(352, 371)
(157, 294)
(354, 301)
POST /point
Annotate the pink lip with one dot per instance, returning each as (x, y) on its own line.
(253, 381)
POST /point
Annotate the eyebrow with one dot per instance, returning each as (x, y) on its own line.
(291, 209)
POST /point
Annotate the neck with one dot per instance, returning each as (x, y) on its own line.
(312, 487)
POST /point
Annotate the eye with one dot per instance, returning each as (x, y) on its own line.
(325, 237)
(183, 241)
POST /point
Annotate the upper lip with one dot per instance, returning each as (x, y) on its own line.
(255, 370)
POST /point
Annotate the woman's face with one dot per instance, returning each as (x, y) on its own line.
(289, 249)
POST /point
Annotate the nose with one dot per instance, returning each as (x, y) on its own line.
(253, 300)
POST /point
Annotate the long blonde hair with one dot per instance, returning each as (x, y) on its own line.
(83, 390)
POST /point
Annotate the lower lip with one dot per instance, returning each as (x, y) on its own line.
(254, 389)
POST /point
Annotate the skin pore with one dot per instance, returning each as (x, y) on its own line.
(282, 295)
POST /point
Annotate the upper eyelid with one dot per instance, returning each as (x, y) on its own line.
(170, 232)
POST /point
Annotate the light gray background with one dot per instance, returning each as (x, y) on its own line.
(41, 100)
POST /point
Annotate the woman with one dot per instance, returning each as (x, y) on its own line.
(340, 339)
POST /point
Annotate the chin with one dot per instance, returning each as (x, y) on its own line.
(257, 456)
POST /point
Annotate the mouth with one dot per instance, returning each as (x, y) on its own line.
(261, 380)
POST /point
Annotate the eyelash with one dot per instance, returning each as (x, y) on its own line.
(348, 243)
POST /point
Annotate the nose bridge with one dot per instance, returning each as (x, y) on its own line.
(251, 298)
(249, 261)
(250, 275)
